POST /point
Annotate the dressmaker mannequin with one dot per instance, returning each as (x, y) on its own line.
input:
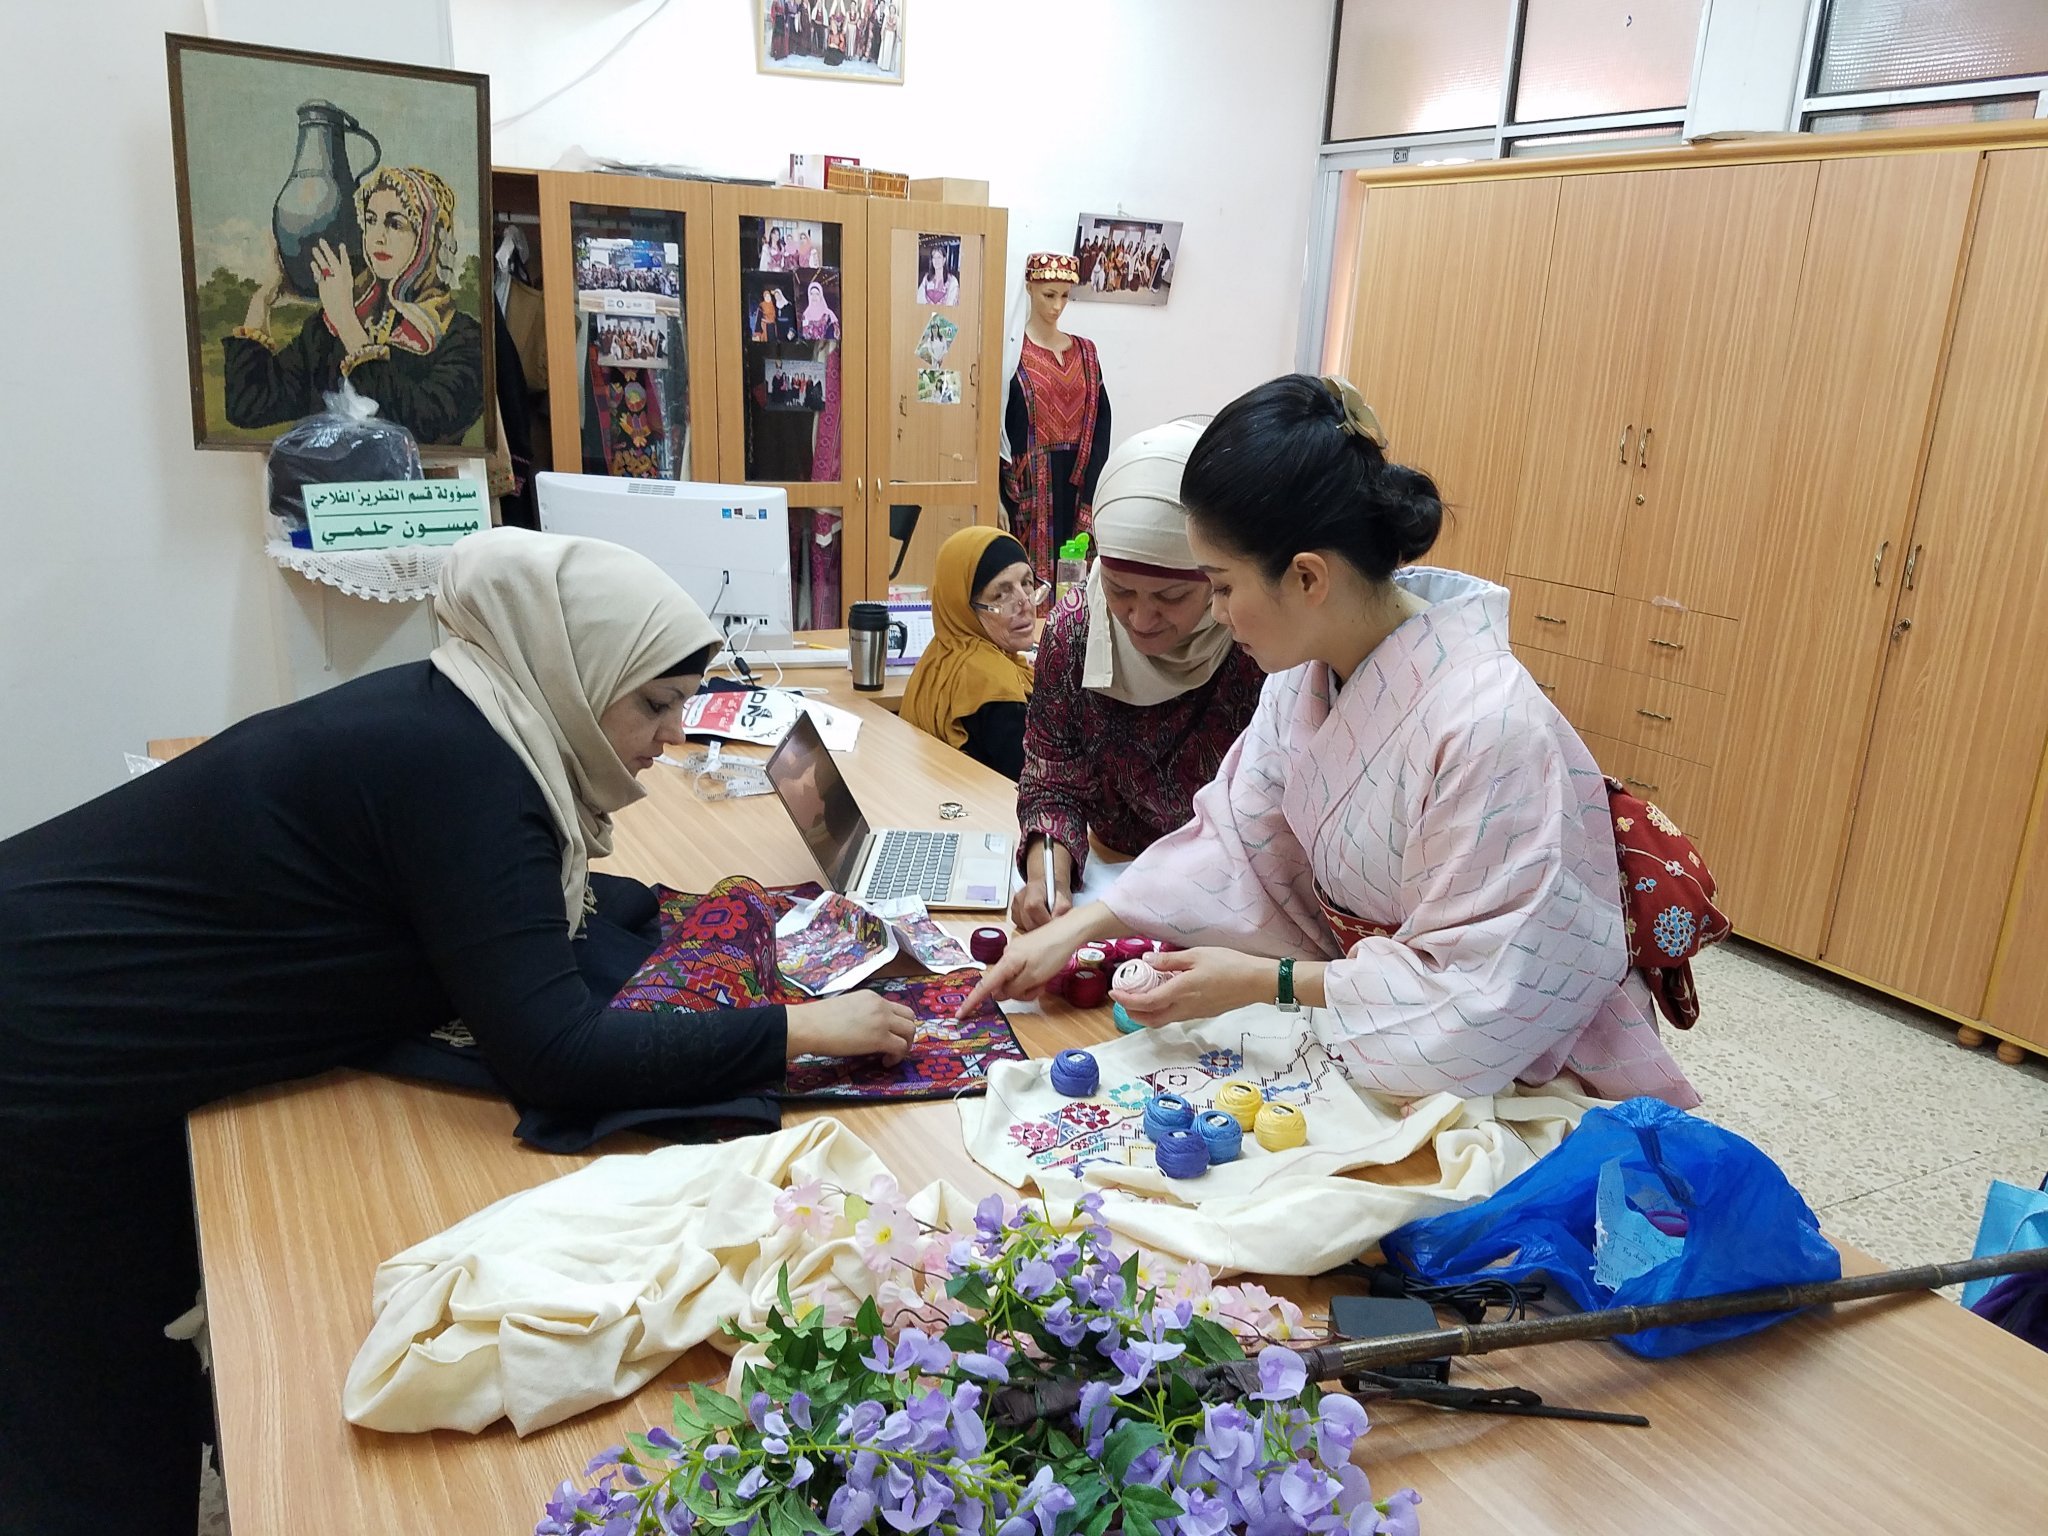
(1055, 416)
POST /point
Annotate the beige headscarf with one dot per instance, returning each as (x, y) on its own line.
(544, 634)
(1139, 517)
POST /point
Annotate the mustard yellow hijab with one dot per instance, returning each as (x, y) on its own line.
(962, 669)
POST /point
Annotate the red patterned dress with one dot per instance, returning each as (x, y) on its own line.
(1057, 423)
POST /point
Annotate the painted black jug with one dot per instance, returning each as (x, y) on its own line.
(318, 201)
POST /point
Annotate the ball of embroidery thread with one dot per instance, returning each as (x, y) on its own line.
(1182, 1154)
(1088, 988)
(1125, 1024)
(1223, 1134)
(988, 944)
(1091, 957)
(1136, 977)
(1168, 1112)
(1240, 1100)
(1075, 1074)
(1279, 1127)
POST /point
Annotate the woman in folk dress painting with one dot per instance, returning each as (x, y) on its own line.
(1408, 839)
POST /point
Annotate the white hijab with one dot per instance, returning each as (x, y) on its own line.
(1138, 516)
(544, 633)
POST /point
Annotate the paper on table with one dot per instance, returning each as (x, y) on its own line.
(935, 949)
(839, 728)
(830, 943)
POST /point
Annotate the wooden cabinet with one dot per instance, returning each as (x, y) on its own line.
(1962, 717)
(1822, 566)
(1449, 294)
(772, 335)
(1580, 463)
(1726, 262)
(934, 427)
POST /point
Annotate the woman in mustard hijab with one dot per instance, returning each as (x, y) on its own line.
(971, 684)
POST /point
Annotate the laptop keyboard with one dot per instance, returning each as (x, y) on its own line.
(913, 864)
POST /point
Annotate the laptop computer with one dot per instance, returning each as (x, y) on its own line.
(969, 871)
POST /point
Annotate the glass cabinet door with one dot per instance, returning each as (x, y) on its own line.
(790, 311)
(632, 342)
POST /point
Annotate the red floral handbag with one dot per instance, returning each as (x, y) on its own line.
(1667, 897)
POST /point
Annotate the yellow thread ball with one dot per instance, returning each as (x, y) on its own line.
(1240, 1100)
(1279, 1127)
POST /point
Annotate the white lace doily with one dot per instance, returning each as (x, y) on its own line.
(388, 575)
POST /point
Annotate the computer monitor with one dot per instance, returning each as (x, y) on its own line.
(725, 545)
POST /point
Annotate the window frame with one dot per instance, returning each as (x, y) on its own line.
(1812, 103)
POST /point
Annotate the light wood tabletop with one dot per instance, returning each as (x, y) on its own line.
(1901, 1415)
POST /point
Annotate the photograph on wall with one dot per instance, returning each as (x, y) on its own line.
(938, 386)
(649, 269)
(817, 291)
(787, 244)
(793, 384)
(937, 340)
(630, 341)
(938, 270)
(768, 305)
(836, 39)
(1125, 260)
(328, 218)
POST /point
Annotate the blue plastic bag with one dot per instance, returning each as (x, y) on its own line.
(2015, 1219)
(1689, 1209)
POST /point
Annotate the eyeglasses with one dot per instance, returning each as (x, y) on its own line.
(1031, 595)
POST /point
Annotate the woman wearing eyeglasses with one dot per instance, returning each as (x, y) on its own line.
(1140, 689)
(972, 682)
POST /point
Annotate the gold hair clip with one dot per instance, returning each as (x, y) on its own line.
(1359, 419)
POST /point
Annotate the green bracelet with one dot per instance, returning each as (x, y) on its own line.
(1285, 1000)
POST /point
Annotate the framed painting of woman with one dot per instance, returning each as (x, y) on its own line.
(330, 213)
(838, 39)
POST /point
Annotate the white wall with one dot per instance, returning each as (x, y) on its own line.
(1206, 111)
(134, 597)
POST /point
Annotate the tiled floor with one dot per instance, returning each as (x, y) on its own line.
(1890, 1129)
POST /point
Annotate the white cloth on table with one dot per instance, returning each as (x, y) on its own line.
(1294, 1212)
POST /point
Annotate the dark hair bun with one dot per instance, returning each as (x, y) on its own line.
(1277, 474)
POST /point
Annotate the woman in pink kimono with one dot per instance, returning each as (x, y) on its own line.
(1408, 840)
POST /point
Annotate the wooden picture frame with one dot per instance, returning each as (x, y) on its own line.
(796, 37)
(264, 200)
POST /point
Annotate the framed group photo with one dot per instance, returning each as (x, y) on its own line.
(329, 219)
(836, 39)
(1125, 260)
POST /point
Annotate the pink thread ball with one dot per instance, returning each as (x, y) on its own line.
(1134, 978)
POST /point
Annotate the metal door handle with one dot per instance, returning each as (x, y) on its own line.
(1913, 564)
(1900, 628)
(1550, 618)
(1547, 687)
(1643, 449)
(1669, 645)
(1640, 784)
(858, 485)
(1877, 563)
(1651, 714)
(1625, 431)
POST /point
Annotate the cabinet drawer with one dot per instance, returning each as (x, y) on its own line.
(1566, 681)
(1568, 620)
(1681, 790)
(1648, 712)
(1675, 644)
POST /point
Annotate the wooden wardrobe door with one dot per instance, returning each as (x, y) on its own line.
(1963, 713)
(1822, 564)
(1727, 272)
(1582, 440)
(1443, 338)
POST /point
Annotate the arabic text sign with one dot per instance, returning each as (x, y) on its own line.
(381, 514)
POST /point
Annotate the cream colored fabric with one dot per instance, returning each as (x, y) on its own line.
(1138, 516)
(543, 634)
(1282, 1213)
(582, 1290)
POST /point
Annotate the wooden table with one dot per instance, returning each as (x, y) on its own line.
(837, 681)
(1909, 1415)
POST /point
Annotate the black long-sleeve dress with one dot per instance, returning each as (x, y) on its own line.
(301, 892)
(436, 395)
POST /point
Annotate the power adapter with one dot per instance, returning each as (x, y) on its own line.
(1385, 1317)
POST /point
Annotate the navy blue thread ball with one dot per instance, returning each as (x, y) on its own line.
(1075, 1074)
(1183, 1154)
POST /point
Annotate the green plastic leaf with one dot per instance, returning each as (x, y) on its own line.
(1152, 1503)
(1213, 1341)
(715, 1408)
(689, 1426)
(1058, 1445)
(962, 1337)
(1126, 1443)
(782, 1292)
(969, 1288)
(856, 1210)
(1099, 1521)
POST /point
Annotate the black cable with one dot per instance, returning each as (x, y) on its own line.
(1469, 1300)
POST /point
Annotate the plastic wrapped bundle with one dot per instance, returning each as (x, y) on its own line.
(344, 443)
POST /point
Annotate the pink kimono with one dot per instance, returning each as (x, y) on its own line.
(1439, 796)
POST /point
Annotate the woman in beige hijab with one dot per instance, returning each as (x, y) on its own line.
(1139, 690)
(312, 888)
